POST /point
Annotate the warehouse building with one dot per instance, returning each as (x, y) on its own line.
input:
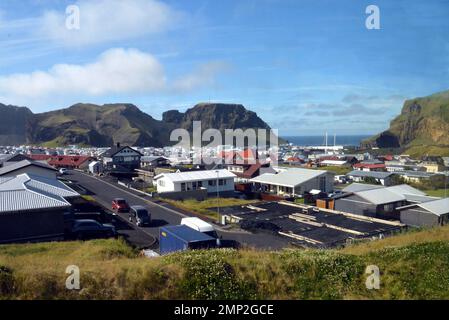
(32, 208)
(294, 182)
(428, 214)
(28, 166)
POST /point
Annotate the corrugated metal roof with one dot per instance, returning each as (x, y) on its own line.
(373, 174)
(357, 187)
(197, 175)
(290, 178)
(29, 192)
(437, 207)
(380, 196)
(22, 164)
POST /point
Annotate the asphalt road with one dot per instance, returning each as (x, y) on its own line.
(105, 192)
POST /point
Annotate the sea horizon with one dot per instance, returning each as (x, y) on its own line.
(319, 140)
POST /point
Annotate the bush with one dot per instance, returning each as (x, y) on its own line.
(7, 282)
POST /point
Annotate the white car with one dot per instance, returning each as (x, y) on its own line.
(63, 171)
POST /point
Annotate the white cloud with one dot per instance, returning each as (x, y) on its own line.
(109, 20)
(116, 71)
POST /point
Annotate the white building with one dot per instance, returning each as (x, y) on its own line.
(211, 180)
(294, 182)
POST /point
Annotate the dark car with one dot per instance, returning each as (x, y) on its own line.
(120, 205)
(140, 215)
(85, 229)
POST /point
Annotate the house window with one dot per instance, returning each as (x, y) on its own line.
(220, 182)
(183, 187)
(200, 184)
(194, 185)
(212, 183)
(162, 183)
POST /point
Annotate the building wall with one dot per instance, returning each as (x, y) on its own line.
(38, 171)
(418, 217)
(356, 205)
(29, 226)
(169, 186)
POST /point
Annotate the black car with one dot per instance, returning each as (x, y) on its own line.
(85, 229)
(140, 215)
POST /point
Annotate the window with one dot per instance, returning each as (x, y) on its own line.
(220, 182)
(162, 183)
(194, 185)
(212, 183)
(183, 187)
(200, 184)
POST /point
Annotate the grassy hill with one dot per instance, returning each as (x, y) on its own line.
(414, 265)
(422, 128)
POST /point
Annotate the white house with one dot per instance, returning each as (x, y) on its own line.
(294, 182)
(211, 180)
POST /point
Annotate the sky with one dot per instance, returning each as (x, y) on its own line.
(305, 66)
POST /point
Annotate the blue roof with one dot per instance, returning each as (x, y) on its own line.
(187, 234)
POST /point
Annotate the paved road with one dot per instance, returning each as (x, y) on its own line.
(105, 192)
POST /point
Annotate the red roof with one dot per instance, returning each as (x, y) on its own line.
(370, 165)
(243, 156)
(74, 161)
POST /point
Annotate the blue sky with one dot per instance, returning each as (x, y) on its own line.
(305, 67)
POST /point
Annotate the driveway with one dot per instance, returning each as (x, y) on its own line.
(104, 192)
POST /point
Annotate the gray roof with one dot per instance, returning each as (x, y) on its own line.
(372, 174)
(23, 164)
(437, 207)
(356, 187)
(30, 192)
(290, 178)
(383, 195)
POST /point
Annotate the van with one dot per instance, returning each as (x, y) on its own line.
(201, 226)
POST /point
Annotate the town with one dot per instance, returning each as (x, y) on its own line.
(163, 200)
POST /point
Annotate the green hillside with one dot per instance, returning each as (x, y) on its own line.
(413, 266)
(422, 128)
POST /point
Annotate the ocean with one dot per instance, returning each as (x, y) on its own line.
(312, 141)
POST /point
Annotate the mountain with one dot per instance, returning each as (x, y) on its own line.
(422, 128)
(14, 123)
(95, 125)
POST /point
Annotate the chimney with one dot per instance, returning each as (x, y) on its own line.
(118, 145)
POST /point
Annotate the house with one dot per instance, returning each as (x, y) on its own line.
(427, 214)
(153, 162)
(432, 167)
(96, 167)
(334, 163)
(415, 176)
(28, 166)
(121, 159)
(376, 200)
(372, 166)
(294, 182)
(211, 181)
(245, 172)
(70, 162)
(32, 208)
(383, 178)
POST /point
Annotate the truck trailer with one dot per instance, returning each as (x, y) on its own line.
(181, 238)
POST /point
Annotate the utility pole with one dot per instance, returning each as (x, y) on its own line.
(218, 197)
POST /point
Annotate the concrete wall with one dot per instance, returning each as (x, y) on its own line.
(356, 205)
(199, 195)
(28, 226)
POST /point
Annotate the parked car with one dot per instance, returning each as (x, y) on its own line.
(86, 229)
(63, 171)
(140, 215)
(120, 205)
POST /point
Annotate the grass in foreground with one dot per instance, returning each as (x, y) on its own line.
(413, 266)
(204, 207)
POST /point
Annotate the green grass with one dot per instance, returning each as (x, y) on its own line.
(414, 265)
(337, 170)
(204, 207)
(442, 193)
